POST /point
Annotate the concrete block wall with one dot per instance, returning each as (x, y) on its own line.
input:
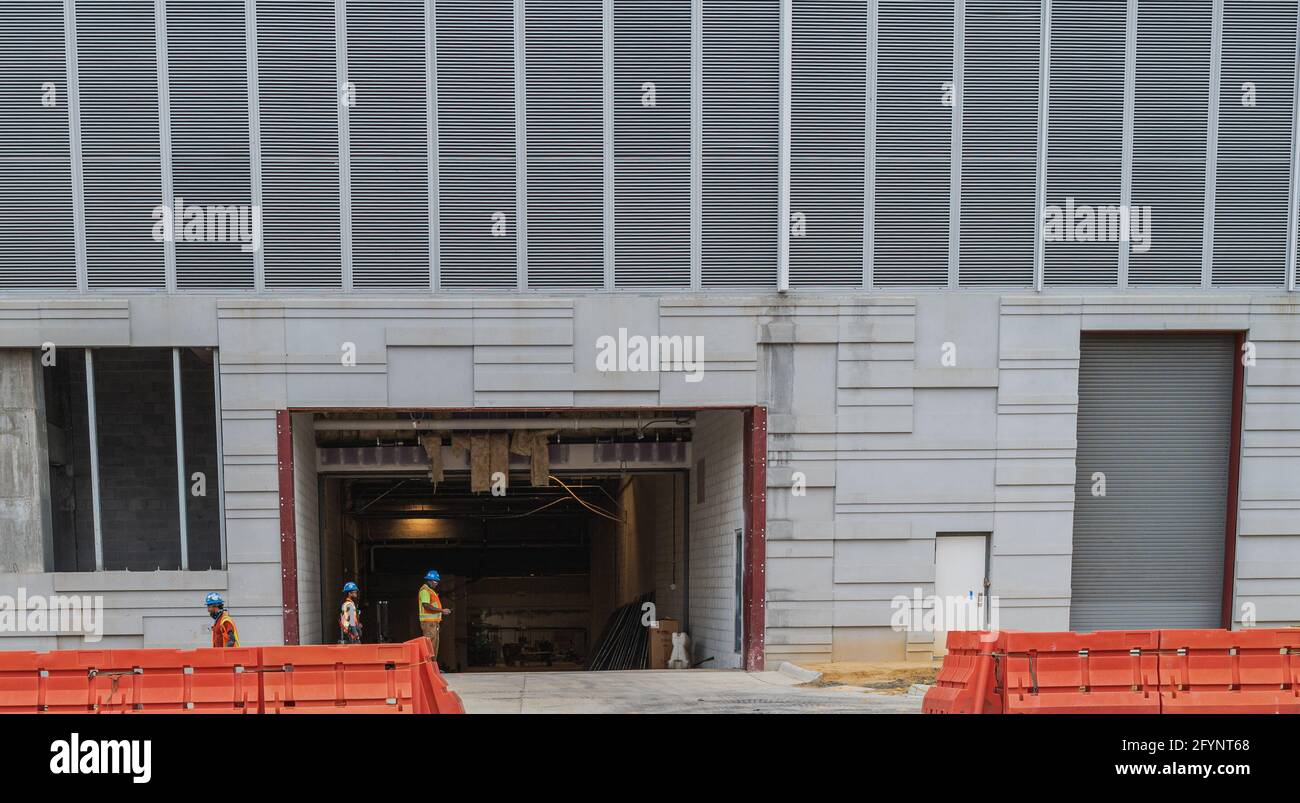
(718, 451)
(137, 459)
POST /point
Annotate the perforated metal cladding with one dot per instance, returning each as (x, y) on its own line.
(1256, 112)
(208, 92)
(37, 246)
(914, 114)
(1170, 112)
(652, 144)
(1085, 141)
(388, 129)
(828, 121)
(999, 142)
(117, 74)
(299, 94)
(566, 177)
(741, 132)
(1154, 416)
(476, 143)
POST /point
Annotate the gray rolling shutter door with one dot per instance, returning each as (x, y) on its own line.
(1154, 417)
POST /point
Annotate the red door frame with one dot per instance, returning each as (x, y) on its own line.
(755, 580)
(288, 526)
(754, 592)
(1234, 478)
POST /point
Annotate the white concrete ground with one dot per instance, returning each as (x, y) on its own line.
(664, 692)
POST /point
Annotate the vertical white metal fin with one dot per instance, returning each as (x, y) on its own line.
(1212, 145)
(1044, 98)
(165, 138)
(783, 151)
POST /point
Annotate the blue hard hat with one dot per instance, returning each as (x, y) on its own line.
(349, 587)
(433, 575)
(213, 599)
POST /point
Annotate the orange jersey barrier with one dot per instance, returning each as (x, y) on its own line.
(965, 683)
(1119, 672)
(360, 678)
(1107, 672)
(1220, 671)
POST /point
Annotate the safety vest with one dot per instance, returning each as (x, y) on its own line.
(429, 597)
(348, 616)
(224, 622)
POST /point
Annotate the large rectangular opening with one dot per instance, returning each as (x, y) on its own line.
(630, 517)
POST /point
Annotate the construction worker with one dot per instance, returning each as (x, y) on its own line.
(431, 610)
(349, 621)
(224, 632)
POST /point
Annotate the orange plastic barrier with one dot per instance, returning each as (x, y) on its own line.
(20, 683)
(432, 694)
(1107, 672)
(966, 682)
(1119, 672)
(206, 681)
(1230, 672)
(364, 678)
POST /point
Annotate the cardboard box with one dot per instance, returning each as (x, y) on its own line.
(661, 642)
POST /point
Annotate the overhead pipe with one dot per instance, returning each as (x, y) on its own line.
(463, 424)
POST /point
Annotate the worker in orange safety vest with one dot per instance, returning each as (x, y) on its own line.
(224, 632)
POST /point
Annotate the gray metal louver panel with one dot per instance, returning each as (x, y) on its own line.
(999, 142)
(476, 143)
(1253, 178)
(566, 178)
(1170, 115)
(117, 75)
(299, 107)
(388, 130)
(207, 71)
(913, 136)
(741, 134)
(1085, 138)
(827, 141)
(37, 248)
(1154, 418)
(652, 144)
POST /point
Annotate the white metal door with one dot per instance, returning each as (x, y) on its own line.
(959, 572)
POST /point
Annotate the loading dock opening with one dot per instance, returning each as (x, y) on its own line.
(641, 503)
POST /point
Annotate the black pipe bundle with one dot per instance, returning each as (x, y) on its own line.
(624, 643)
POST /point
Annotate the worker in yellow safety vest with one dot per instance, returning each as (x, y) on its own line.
(431, 610)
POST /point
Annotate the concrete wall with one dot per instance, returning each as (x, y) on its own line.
(26, 537)
(892, 445)
(717, 511)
